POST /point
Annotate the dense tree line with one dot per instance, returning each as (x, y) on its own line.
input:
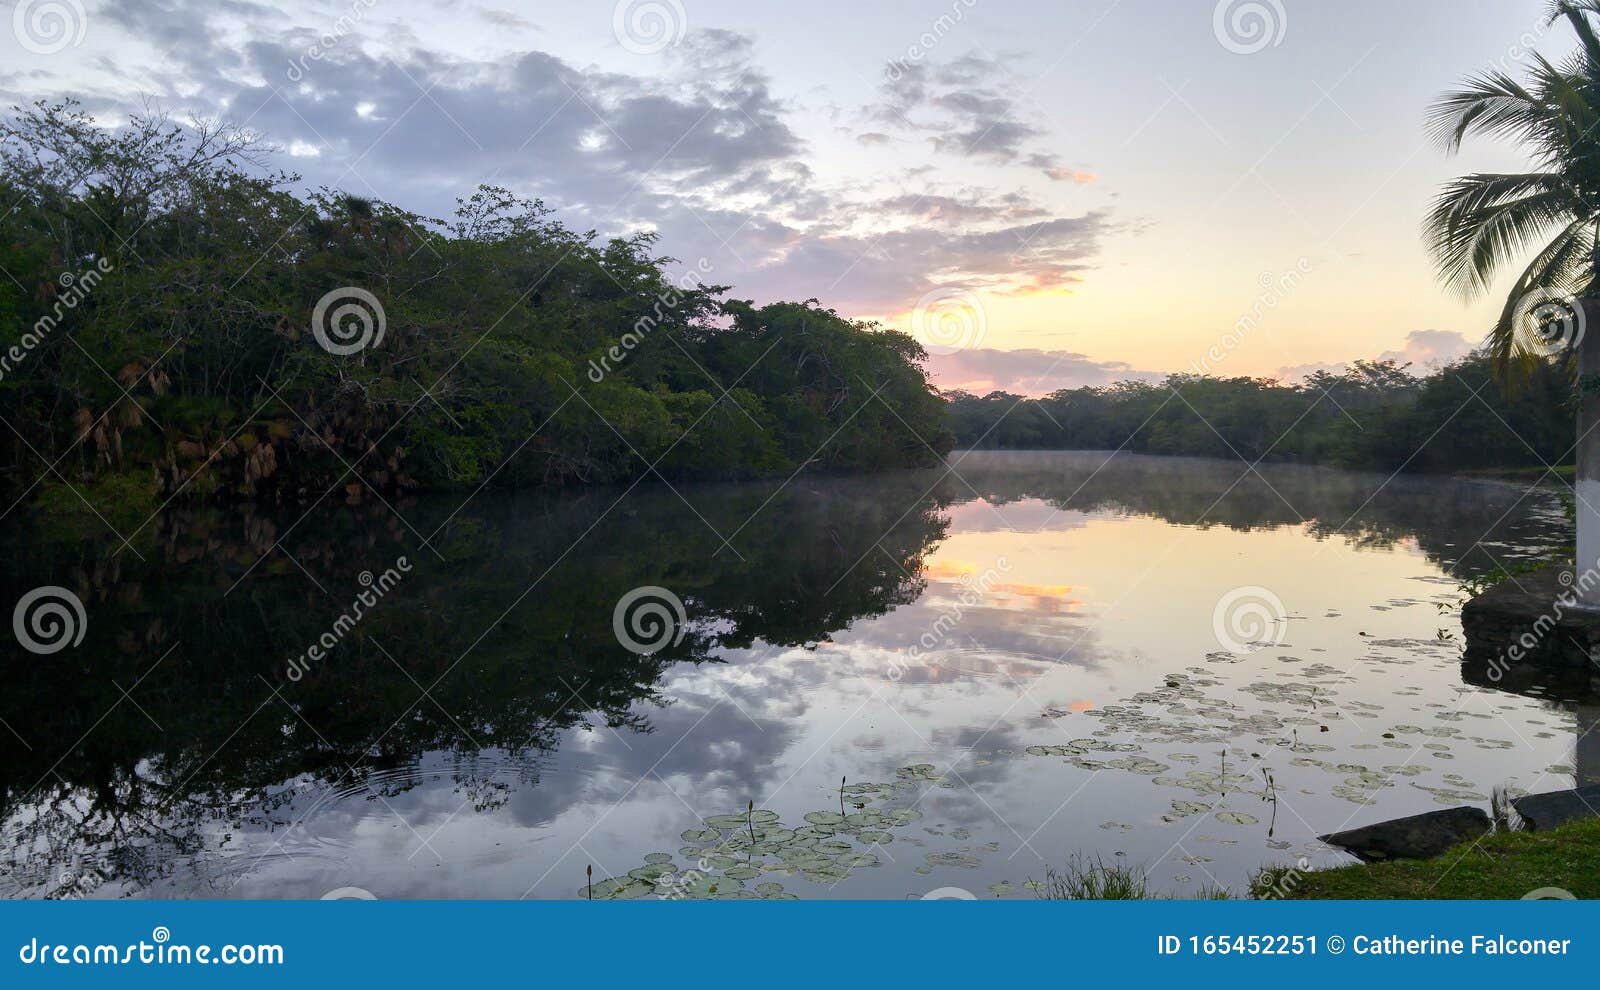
(1375, 415)
(177, 322)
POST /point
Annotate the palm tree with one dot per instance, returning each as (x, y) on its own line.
(1482, 223)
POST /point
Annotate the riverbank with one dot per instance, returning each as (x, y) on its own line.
(1527, 475)
(1508, 866)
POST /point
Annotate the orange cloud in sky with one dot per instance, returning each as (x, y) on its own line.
(1076, 175)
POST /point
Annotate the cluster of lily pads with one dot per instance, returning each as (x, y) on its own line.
(728, 854)
(1148, 733)
(1223, 751)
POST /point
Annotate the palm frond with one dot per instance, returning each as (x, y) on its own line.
(1575, 12)
(1560, 270)
(1491, 104)
(1482, 222)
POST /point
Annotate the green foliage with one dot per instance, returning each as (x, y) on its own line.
(125, 501)
(160, 325)
(1482, 223)
(1086, 879)
(1508, 866)
(1373, 416)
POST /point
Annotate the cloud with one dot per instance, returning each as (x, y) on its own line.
(1430, 349)
(957, 210)
(885, 273)
(701, 150)
(1424, 351)
(1079, 176)
(601, 142)
(968, 107)
(1034, 372)
(502, 18)
(1028, 372)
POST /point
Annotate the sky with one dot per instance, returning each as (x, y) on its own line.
(1047, 194)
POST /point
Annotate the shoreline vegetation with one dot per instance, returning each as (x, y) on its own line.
(1377, 415)
(1506, 866)
(1557, 864)
(180, 325)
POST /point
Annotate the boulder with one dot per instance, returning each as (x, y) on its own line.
(1532, 619)
(1418, 837)
(1544, 811)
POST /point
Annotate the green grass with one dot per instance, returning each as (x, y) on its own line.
(1507, 866)
(1096, 880)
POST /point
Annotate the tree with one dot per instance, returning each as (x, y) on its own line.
(179, 322)
(1481, 223)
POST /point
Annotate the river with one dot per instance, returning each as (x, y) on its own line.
(884, 687)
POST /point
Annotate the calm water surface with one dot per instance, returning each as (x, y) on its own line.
(944, 679)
